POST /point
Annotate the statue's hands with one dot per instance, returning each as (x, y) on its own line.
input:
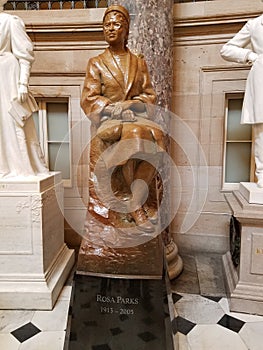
(135, 105)
(116, 111)
(251, 57)
(128, 116)
(22, 93)
(125, 110)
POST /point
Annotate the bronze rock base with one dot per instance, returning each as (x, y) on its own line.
(144, 261)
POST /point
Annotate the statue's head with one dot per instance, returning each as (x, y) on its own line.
(117, 16)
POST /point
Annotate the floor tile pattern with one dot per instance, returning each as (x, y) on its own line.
(25, 332)
(204, 322)
(231, 323)
(201, 317)
(36, 330)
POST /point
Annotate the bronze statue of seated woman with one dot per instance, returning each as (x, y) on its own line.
(126, 144)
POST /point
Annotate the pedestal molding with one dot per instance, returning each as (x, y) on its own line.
(244, 283)
(35, 260)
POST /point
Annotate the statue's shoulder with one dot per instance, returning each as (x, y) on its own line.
(137, 54)
(95, 60)
(5, 16)
(10, 19)
(102, 55)
(255, 21)
(8, 16)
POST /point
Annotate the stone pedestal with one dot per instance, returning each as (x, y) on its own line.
(251, 192)
(34, 260)
(245, 281)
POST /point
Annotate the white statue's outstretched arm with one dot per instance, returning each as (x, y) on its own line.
(235, 49)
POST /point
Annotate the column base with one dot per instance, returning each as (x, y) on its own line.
(174, 262)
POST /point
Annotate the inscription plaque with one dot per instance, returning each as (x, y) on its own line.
(118, 314)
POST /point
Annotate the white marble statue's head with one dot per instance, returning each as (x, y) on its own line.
(2, 2)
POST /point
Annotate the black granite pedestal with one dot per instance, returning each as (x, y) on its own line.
(118, 314)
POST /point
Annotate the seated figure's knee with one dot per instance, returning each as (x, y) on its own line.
(159, 137)
(157, 134)
(135, 131)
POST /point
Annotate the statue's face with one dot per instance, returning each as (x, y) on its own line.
(115, 30)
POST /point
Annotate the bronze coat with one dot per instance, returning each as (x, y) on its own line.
(105, 84)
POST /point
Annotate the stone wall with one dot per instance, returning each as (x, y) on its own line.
(201, 81)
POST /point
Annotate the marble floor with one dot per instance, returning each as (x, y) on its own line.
(37, 330)
(202, 320)
(202, 317)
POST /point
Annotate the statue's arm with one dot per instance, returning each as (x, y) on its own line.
(235, 49)
(146, 93)
(93, 102)
(22, 49)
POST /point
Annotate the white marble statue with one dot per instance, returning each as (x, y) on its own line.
(237, 50)
(20, 153)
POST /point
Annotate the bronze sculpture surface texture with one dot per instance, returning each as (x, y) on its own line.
(126, 145)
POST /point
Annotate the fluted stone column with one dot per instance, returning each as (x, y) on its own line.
(151, 34)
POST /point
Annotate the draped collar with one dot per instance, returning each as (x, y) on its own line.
(113, 68)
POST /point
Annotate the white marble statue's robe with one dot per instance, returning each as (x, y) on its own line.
(237, 50)
(20, 153)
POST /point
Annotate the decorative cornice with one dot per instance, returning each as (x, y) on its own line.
(215, 12)
(57, 74)
(64, 29)
(69, 46)
(224, 68)
(84, 18)
(211, 22)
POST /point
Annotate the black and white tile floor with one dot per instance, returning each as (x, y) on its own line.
(202, 317)
(205, 323)
(35, 330)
